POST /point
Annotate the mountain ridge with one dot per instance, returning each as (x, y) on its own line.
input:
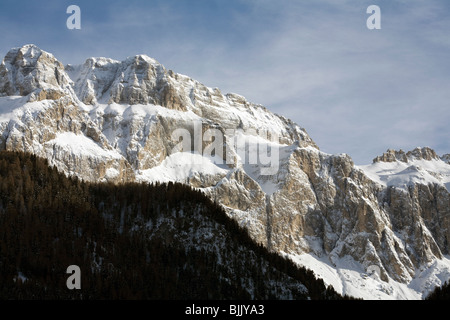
(115, 121)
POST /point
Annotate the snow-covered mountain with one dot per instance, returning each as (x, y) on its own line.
(379, 231)
(400, 169)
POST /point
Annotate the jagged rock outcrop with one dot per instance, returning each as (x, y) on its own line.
(446, 158)
(391, 155)
(118, 121)
(137, 80)
(423, 154)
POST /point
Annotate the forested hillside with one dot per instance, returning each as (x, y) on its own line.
(132, 241)
(440, 293)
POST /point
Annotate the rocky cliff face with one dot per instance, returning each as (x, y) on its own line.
(122, 121)
(28, 69)
(446, 158)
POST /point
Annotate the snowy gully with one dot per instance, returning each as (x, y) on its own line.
(233, 310)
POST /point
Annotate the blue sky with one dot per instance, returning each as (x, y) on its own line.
(355, 91)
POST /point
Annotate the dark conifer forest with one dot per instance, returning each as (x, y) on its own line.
(132, 241)
(440, 293)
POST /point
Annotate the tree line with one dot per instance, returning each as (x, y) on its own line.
(130, 241)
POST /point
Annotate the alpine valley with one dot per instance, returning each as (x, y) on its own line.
(380, 231)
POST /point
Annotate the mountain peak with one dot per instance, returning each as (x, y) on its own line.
(29, 53)
(446, 158)
(419, 153)
(143, 58)
(424, 153)
(26, 69)
(138, 79)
